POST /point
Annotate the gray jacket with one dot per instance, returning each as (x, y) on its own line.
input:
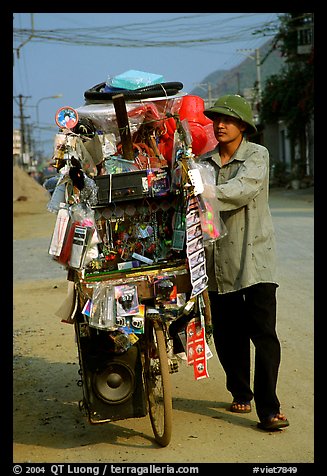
(247, 254)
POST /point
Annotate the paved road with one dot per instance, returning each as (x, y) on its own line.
(31, 261)
(203, 431)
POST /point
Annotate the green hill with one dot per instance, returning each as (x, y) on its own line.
(243, 76)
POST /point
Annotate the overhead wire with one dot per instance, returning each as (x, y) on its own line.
(182, 31)
(160, 33)
(198, 30)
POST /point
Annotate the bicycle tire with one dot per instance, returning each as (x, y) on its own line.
(153, 91)
(157, 382)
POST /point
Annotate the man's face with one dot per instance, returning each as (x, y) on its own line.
(227, 128)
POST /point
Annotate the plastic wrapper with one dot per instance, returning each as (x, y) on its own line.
(213, 227)
(83, 216)
(186, 132)
(60, 230)
(58, 196)
(85, 157)
(156, 114)
(117, 165)
(94, 147)
(109, 144)
(102, 312)
(103, 116)
(60, 192)
(89, 192)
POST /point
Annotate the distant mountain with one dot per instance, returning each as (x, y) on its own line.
(241, 77)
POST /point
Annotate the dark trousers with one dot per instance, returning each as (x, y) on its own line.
(237, 318)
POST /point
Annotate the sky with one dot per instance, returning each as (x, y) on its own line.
(65, 54)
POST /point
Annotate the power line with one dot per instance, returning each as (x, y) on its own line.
(28, 38)
(180, 32)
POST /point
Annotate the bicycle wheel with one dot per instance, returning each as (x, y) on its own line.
(157, 381)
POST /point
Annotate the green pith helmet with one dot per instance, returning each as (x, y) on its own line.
(235, 106)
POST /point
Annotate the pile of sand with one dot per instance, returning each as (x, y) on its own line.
(30, 214)
(26, 187)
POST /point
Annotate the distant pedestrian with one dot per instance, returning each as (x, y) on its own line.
(241, 265)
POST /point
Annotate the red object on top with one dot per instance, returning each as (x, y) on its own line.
(200, 127)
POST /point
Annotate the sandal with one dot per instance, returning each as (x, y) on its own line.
(274, 422)
(240, 407)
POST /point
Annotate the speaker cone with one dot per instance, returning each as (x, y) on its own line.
(115, 384)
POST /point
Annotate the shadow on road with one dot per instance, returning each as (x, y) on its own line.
(208, 408)
(46, 410)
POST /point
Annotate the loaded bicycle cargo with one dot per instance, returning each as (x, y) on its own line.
(133, 217)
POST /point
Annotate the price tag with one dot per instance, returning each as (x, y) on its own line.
(196, 181)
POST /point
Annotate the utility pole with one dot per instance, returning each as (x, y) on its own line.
(22, 126)
(258, 66)
(29, 38)
(209, 95)
(238, 83)
(209, 89)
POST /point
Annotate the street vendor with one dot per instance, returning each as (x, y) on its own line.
(241, 267)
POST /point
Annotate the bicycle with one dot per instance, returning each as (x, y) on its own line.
(157, 379)
(136, 382)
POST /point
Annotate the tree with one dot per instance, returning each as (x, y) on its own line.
(288, 96)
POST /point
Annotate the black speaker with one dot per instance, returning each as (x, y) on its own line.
(116, 383)
(113, 384)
